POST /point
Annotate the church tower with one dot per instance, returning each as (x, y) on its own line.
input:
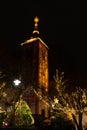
(35, 67)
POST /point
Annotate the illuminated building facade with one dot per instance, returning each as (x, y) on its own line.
(35, 68)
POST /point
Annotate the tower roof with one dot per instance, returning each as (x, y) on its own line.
(35, 34)
(32, 40)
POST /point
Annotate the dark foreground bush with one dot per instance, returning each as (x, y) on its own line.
(61, 124)
(38, 121)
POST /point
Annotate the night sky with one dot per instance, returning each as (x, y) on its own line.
(62, 27)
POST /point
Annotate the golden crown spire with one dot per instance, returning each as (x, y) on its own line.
(36, 20)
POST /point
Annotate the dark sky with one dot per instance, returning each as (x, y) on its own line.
(62, 26)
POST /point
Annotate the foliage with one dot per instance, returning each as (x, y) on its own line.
(22, 117)
(6, 91)
(23, 114)
(16, 110)
(2, 80)
(74, 104)
(17, 113)
(2, 117)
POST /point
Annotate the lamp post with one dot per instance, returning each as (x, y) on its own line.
(17, 90)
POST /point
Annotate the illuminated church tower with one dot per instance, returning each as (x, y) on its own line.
(35, 67)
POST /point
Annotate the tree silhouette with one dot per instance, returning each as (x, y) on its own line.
(73, 104)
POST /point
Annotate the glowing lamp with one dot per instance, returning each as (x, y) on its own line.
(16, 82)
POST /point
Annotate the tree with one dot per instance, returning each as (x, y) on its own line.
(2, 80)
(9, 95)
(16, 110)
(6, 89)
(2, 85)
(22, 116)
(73, 104)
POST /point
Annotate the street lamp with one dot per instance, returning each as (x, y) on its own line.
(17, 91)
(16, 82)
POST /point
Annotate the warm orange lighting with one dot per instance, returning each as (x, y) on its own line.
(36, 20)
(43, 67)
(69, 116)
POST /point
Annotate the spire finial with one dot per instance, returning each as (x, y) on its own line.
(36, 20)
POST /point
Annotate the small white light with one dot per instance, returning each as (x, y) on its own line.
(52, 105)
(17, 82)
